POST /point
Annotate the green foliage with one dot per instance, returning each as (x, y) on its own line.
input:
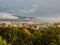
(24, 36)
(2, 41)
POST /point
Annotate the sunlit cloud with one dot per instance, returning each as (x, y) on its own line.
(7, 16)
(32, 10)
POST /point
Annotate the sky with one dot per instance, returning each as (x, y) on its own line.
(30, 8)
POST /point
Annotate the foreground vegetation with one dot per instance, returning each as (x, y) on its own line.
(24, 36)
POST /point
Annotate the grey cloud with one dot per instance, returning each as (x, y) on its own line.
(32, 10)
(46, 8)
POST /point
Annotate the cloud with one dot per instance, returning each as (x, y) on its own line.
(7, 16)
(50, 19)
(32, 10)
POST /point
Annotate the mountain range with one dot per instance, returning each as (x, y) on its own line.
(20, 18)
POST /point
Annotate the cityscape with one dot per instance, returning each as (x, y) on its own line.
(29, 24)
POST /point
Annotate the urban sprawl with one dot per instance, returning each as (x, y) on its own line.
(29, 24)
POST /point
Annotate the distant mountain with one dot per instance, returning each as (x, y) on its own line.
(10, 11)
(5, 17)
(26, 18)
(20, 18)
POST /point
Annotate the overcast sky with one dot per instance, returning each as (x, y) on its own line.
(35, 8)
